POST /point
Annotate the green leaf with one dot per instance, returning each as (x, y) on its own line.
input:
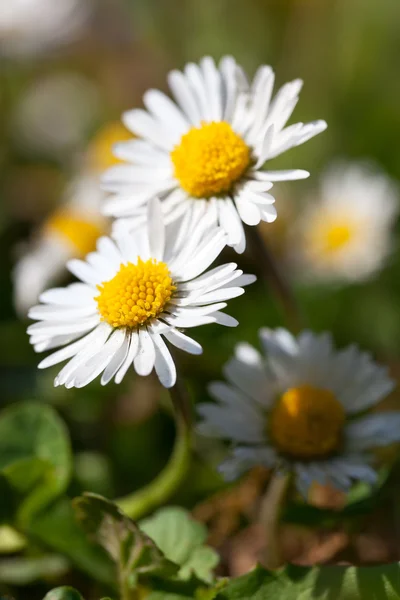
(132, 551)
(182, 539)
(22, 570)
(35, 456)
(63, 593)
(56, 527)
(324, 583)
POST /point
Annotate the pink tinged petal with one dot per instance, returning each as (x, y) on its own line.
(117, 361)
(166, 112)
(144, 360)
(132, 351)
(144, 125)
(156, 229)
(182, 341)
(96, 364)
(164, 365)
(184, 96)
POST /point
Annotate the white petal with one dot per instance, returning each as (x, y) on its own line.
(166, 112)
(97, 363)
(156, 229)
(52, 328)
(184, 96)
(249, 212)
(373, 431)
(133, 349)
(164, 364)
(144, 360)
(117, 361)
(144, 125)
(182, 341)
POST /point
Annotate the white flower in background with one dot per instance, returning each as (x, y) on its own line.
(54, 114)
(29, 27)
(135, 291)
(345, 231)
(205, 152)
(301, 408)
(72, 230)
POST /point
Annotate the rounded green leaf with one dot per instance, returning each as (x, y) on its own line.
(63, 593)
(35, 455)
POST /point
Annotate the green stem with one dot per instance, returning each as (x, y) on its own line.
(158, 491)
(275, 279)
(271, 510)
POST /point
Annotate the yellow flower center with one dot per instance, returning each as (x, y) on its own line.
(307, 423)
(79, 232)
(329, 236)
(100, 151)
(136, 293)
(209, 159)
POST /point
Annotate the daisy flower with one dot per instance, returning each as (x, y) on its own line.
(304, 408)
(135, 291)
(205, 151)
(71, 230)
(32, 26)
(345, 232)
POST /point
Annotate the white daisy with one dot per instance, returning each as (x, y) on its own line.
(71, 230)
(345, 232)
(301, 408)
(32, 26)
(205, 152)
(135, 290)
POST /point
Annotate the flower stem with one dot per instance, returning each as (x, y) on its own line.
(271, 509)
(158, 491)
(274, 278)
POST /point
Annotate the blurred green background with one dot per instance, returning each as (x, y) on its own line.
(348, 55)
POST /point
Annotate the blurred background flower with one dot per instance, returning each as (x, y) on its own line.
(29, 27)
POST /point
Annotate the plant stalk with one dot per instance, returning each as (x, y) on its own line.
(143, 501)
(271, 509)
(275, 279)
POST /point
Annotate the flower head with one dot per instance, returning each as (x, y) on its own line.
(204, 152)
(301, 408)
(344, 232)
(32, 26)
(72, 229)
(135, 291)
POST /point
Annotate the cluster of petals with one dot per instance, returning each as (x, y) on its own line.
(206, 93)
(244, 407)
(69, 317)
